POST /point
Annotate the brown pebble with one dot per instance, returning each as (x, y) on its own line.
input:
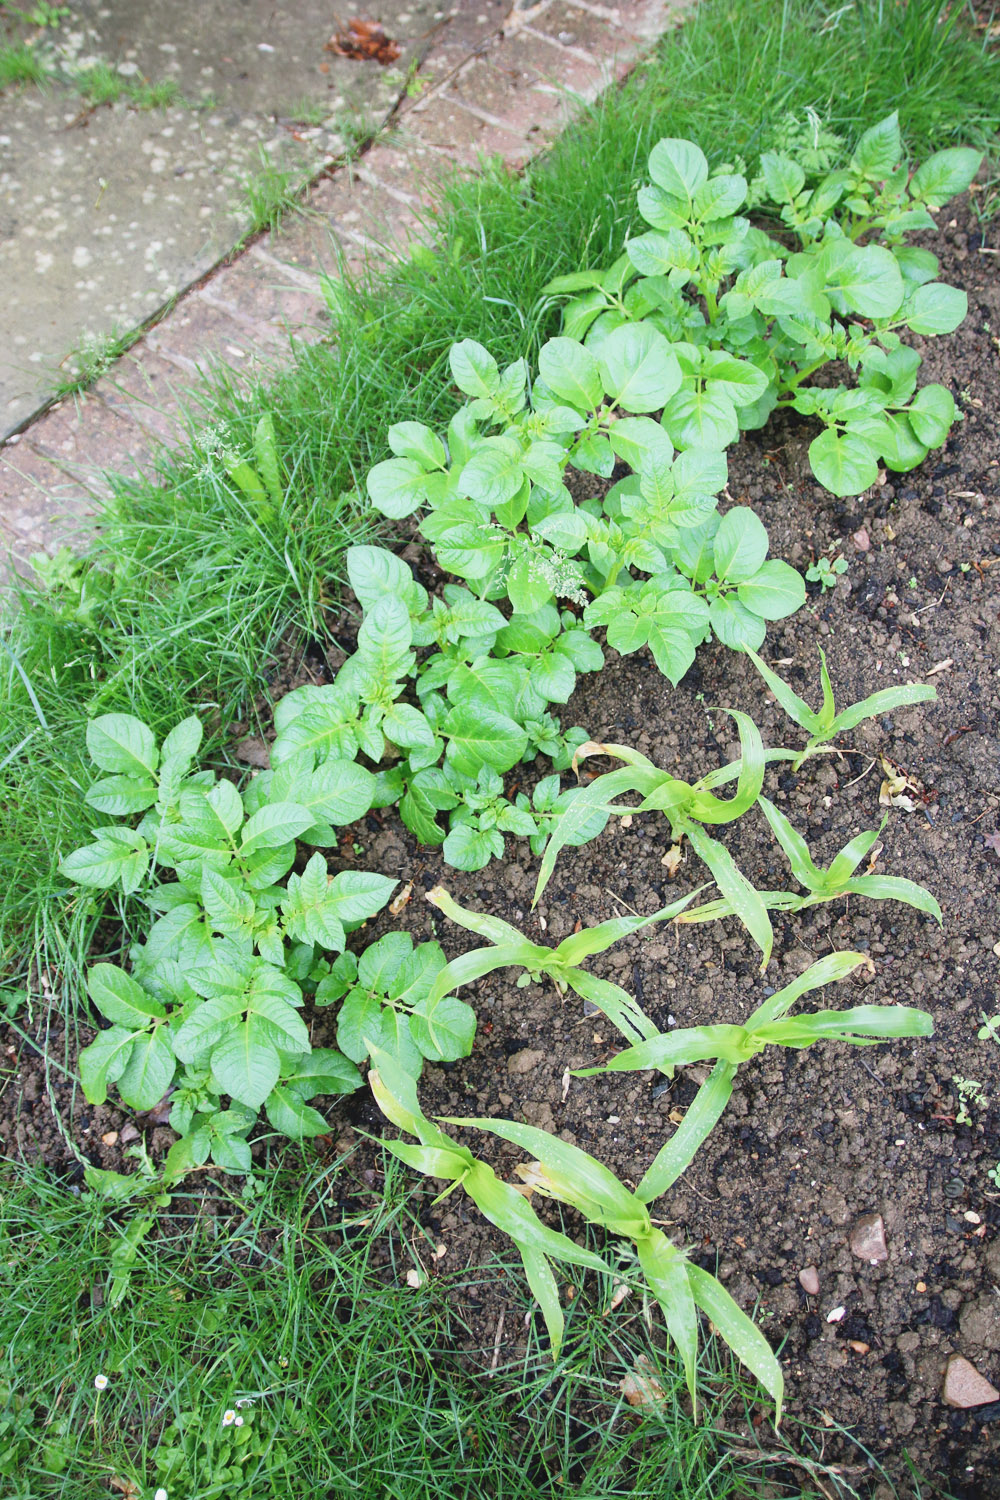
(858, 1346)
(965, 1387)
(868, 1239)
(524, 1061)
(110, 1137)
(861, 540)
(809, 1280)
(129, 1133)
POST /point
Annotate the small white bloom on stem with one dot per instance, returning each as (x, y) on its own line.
(237, 1421)
(161, 1494)
(100, 1382)
(228, 1417)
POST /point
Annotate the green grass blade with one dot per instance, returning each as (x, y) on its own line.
(746, 902)
(699, 1121)
(860, 1024)
(843, 866)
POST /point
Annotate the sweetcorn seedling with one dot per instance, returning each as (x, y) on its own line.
(511, 949)
(439, 1156)
(212, 1004)
(838, 879)
(681, 1288)
(771, 1025)
(749, 317)
(825, 725)
(687, 806)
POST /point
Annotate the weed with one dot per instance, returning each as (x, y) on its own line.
(21, 63)
(826, 570)
(103, 84)
(270, 194)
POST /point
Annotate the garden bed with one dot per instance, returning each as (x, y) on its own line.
(811, 1141)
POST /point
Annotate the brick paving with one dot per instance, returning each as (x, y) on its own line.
(495, 84)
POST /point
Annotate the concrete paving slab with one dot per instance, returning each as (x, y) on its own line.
(106, 214)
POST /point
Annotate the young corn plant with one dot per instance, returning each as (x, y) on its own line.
(838, 879)
(681, 1288)
(729, 1046)
(510, 949)
(687, 806)
(437, 1155)
(825, 725)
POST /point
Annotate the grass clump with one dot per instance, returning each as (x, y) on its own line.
(270, 194)
(103, 84)
(19, 64)
(289, 1309)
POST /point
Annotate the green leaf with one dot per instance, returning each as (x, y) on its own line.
(637, 440)
(481, 737)
(736, 626)
(878, 152)
(468, 847)
(120, 999)
(292, 1116)
(375, 572)
(397, 487)
(229, 905)
(123, 744)
(931, 414)
(740, 545)
(410, 440)
(276, 824)
(493, 474)
(119, 796)
(339, 792)
(119, 854)
(936, 308)
(571, 372)
(324, 1070)
(701, 419)
(385, 636)
(245, 1064)
(743, 1337)
(843, 463)
(720, 197)
(546, 1293)
(869, 281)
(104, 1061)
(232, 1154)
(945, 174)
(699, 1121)
(880, 703)
(745, 901)
(395, 1038)
(679, 167)
(149, 1071)
(444, 1032)
(665, 1270)
(895, 888)
(795, 847)
(360, 1016)
(785, 179)
(638, 368)
(183, 741)
(474, 370)
(775, 591)
(829, 970)
(360, 894)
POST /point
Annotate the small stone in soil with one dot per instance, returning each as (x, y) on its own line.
(868, 1239)
(525, 1060)
(110, 1137)
(965, 1387)
(129, 1133)
(809, 1280)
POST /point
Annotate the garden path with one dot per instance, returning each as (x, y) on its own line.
(472, 81)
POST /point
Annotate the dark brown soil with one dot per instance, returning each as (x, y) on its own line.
(811, 1140)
